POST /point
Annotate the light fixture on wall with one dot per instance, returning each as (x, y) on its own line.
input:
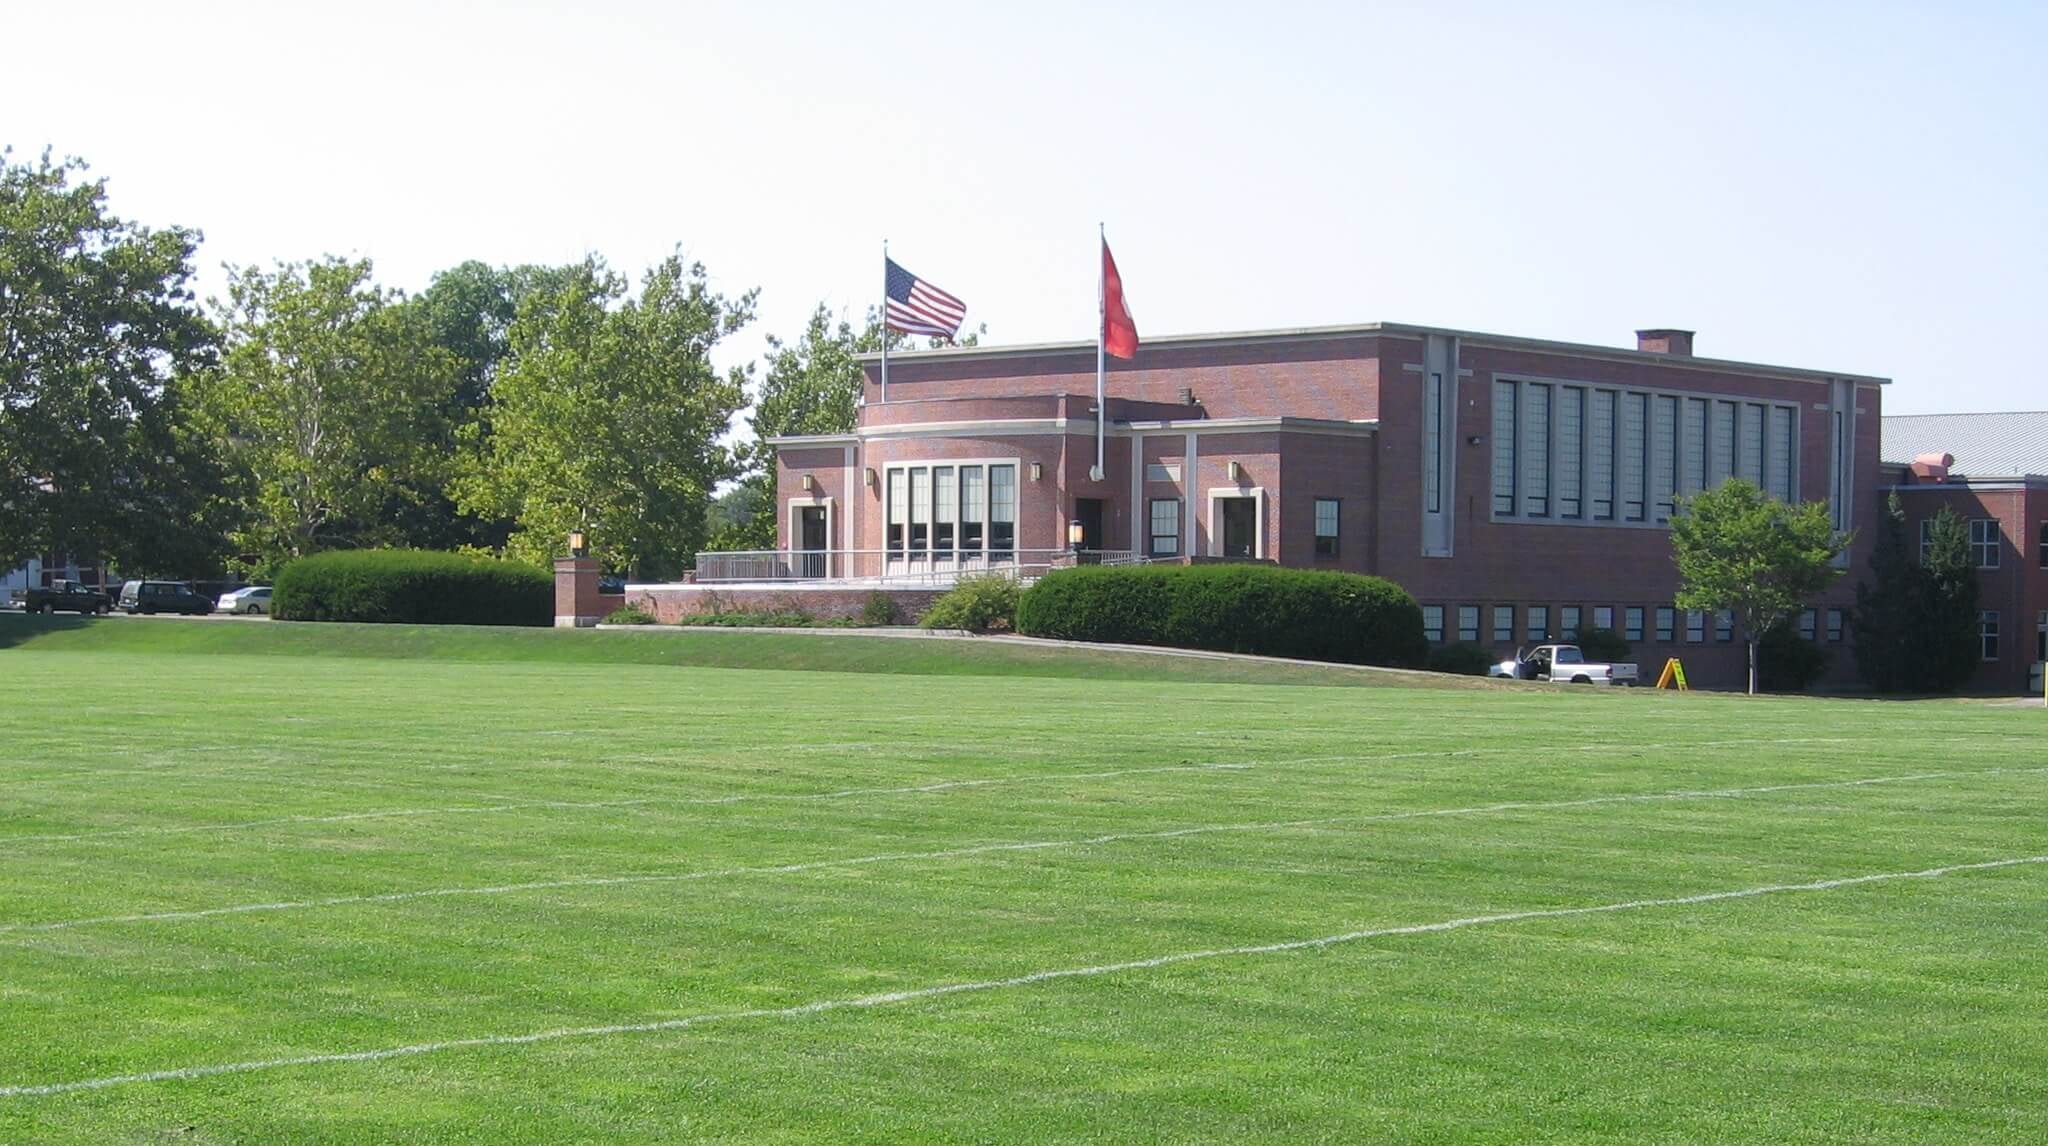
(810, 483)
(1037, 471)
(1236, 472)
(1474, 439)
(872, 480)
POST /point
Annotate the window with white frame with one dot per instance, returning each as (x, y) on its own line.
(1503, 623)
(1468, 622)
(1573, 451)
(1987, 633)
(1539, 623)
(1724, 626)
(1695, 627)
(1809, 623)
(1433, 623)
(1632, 623)
(1667, 618)
(952, 512)
(1165, 533)
(1568, 623)
(1834, 626)
(1985, 542)
(1326, 526)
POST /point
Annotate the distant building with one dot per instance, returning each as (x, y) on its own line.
(39, 571)
(1521, 489)
(1992, 471)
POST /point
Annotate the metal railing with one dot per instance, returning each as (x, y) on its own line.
(882, 566)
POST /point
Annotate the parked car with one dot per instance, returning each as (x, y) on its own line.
(65, 597)
(249, 599)
(162, 597)
(1563, 664)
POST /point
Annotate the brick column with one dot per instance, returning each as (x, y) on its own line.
(578, 604)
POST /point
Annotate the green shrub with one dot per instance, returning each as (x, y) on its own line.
(1463, 658)
(630, 615)
(978, 604)
(1243, 608)
(1603, 645)
(413, 586)
(879, 610)
(1788, 662)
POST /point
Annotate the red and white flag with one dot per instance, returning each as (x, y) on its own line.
(1119, 330)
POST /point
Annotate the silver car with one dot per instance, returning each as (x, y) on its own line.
(251, 599)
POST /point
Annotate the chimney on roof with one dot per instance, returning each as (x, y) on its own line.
(1665, 342)
(1932, 467)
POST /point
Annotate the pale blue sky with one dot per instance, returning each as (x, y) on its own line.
(1853, 187)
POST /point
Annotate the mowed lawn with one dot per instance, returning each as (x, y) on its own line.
(533, 891)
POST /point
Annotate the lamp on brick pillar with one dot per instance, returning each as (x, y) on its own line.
(576, 542)
(1075, 534)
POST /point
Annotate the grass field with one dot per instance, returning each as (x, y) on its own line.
(525, 887)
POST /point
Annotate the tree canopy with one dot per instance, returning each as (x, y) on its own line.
(1740, 550)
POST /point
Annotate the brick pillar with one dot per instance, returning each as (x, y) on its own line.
(578, 604)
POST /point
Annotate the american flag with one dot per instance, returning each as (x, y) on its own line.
(917, 307)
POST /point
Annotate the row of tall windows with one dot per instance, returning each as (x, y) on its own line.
(1585, 453)
(952, 512)
(1536, 628)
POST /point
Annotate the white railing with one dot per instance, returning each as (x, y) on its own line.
(894, 566)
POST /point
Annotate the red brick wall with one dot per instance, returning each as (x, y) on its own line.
(2018, 589)
(671, 603)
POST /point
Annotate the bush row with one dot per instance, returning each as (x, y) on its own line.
(1265, 609)
(413, 586)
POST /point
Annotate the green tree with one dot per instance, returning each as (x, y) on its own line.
(1950, 652)
(607, 415)
(1739, 549)
(331, 397)
(98, 327)
(1890, 640)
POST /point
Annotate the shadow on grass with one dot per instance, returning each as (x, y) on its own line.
(16, 628)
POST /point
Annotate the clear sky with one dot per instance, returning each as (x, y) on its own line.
(1857, 187)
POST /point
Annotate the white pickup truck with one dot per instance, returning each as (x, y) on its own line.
(1564, 664)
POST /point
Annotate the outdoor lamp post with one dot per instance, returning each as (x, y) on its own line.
(576, 540)
(1074, 533)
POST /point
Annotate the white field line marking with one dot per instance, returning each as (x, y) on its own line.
(978, 849)
(915, 789)
(1035, 977)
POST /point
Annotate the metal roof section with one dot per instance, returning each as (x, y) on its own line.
(1400, 330)
(1985, 445)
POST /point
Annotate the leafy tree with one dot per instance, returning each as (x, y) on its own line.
(331, 397)
(1788, 662)
(607, 415)
(1948, 616)
(97, 327)
(1739, 549)
(1888, 622)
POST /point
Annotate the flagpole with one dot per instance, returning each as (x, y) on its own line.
(885, 320)
(1101, 320)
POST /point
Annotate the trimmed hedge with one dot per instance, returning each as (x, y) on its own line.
(412, 586)
(1462, 659)
(1265, 609)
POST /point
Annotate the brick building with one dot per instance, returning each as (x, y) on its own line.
(1519, 488)
(1991, 470)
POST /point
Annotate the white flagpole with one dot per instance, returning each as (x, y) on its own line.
(885, 320)
(1101, 320)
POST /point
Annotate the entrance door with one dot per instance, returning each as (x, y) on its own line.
(1088, 511)
(811, 541)
(1240, 526)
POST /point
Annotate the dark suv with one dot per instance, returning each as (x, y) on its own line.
(162, 597)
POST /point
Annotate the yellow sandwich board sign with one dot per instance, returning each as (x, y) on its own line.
(1673, 676)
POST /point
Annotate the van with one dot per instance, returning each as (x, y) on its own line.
(162, 597)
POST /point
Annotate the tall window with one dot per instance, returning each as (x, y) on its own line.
(1002, 512)
(1664, 454)
(1809, 623)
(2044, 545)
(1433, 623)
(945, 511)
(1503, 623)
(1631, 471)
(973, 508)
(1834, 625)
(1432, 443)
(1749, 445)
(1985, 542)
(1632, 623)
(1326, 526)
(1724, 626)
(1692, 447)
(1165, 527)
(1600, 456)
(920, 512)
(1539, 623)
(1568, 623)
(1468, 622)
(1987, 633)
(1667, 617)
(951, 512)
(1695, 627)
(1779, 450)
(1504, 448)
(1534, 480)
(1603, 616)
(2041, 636)
(1721, 451)
(1571, 450)
(899, 510)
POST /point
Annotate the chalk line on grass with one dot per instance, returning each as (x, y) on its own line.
(976, 850)
(849, 793)
(918, 994)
